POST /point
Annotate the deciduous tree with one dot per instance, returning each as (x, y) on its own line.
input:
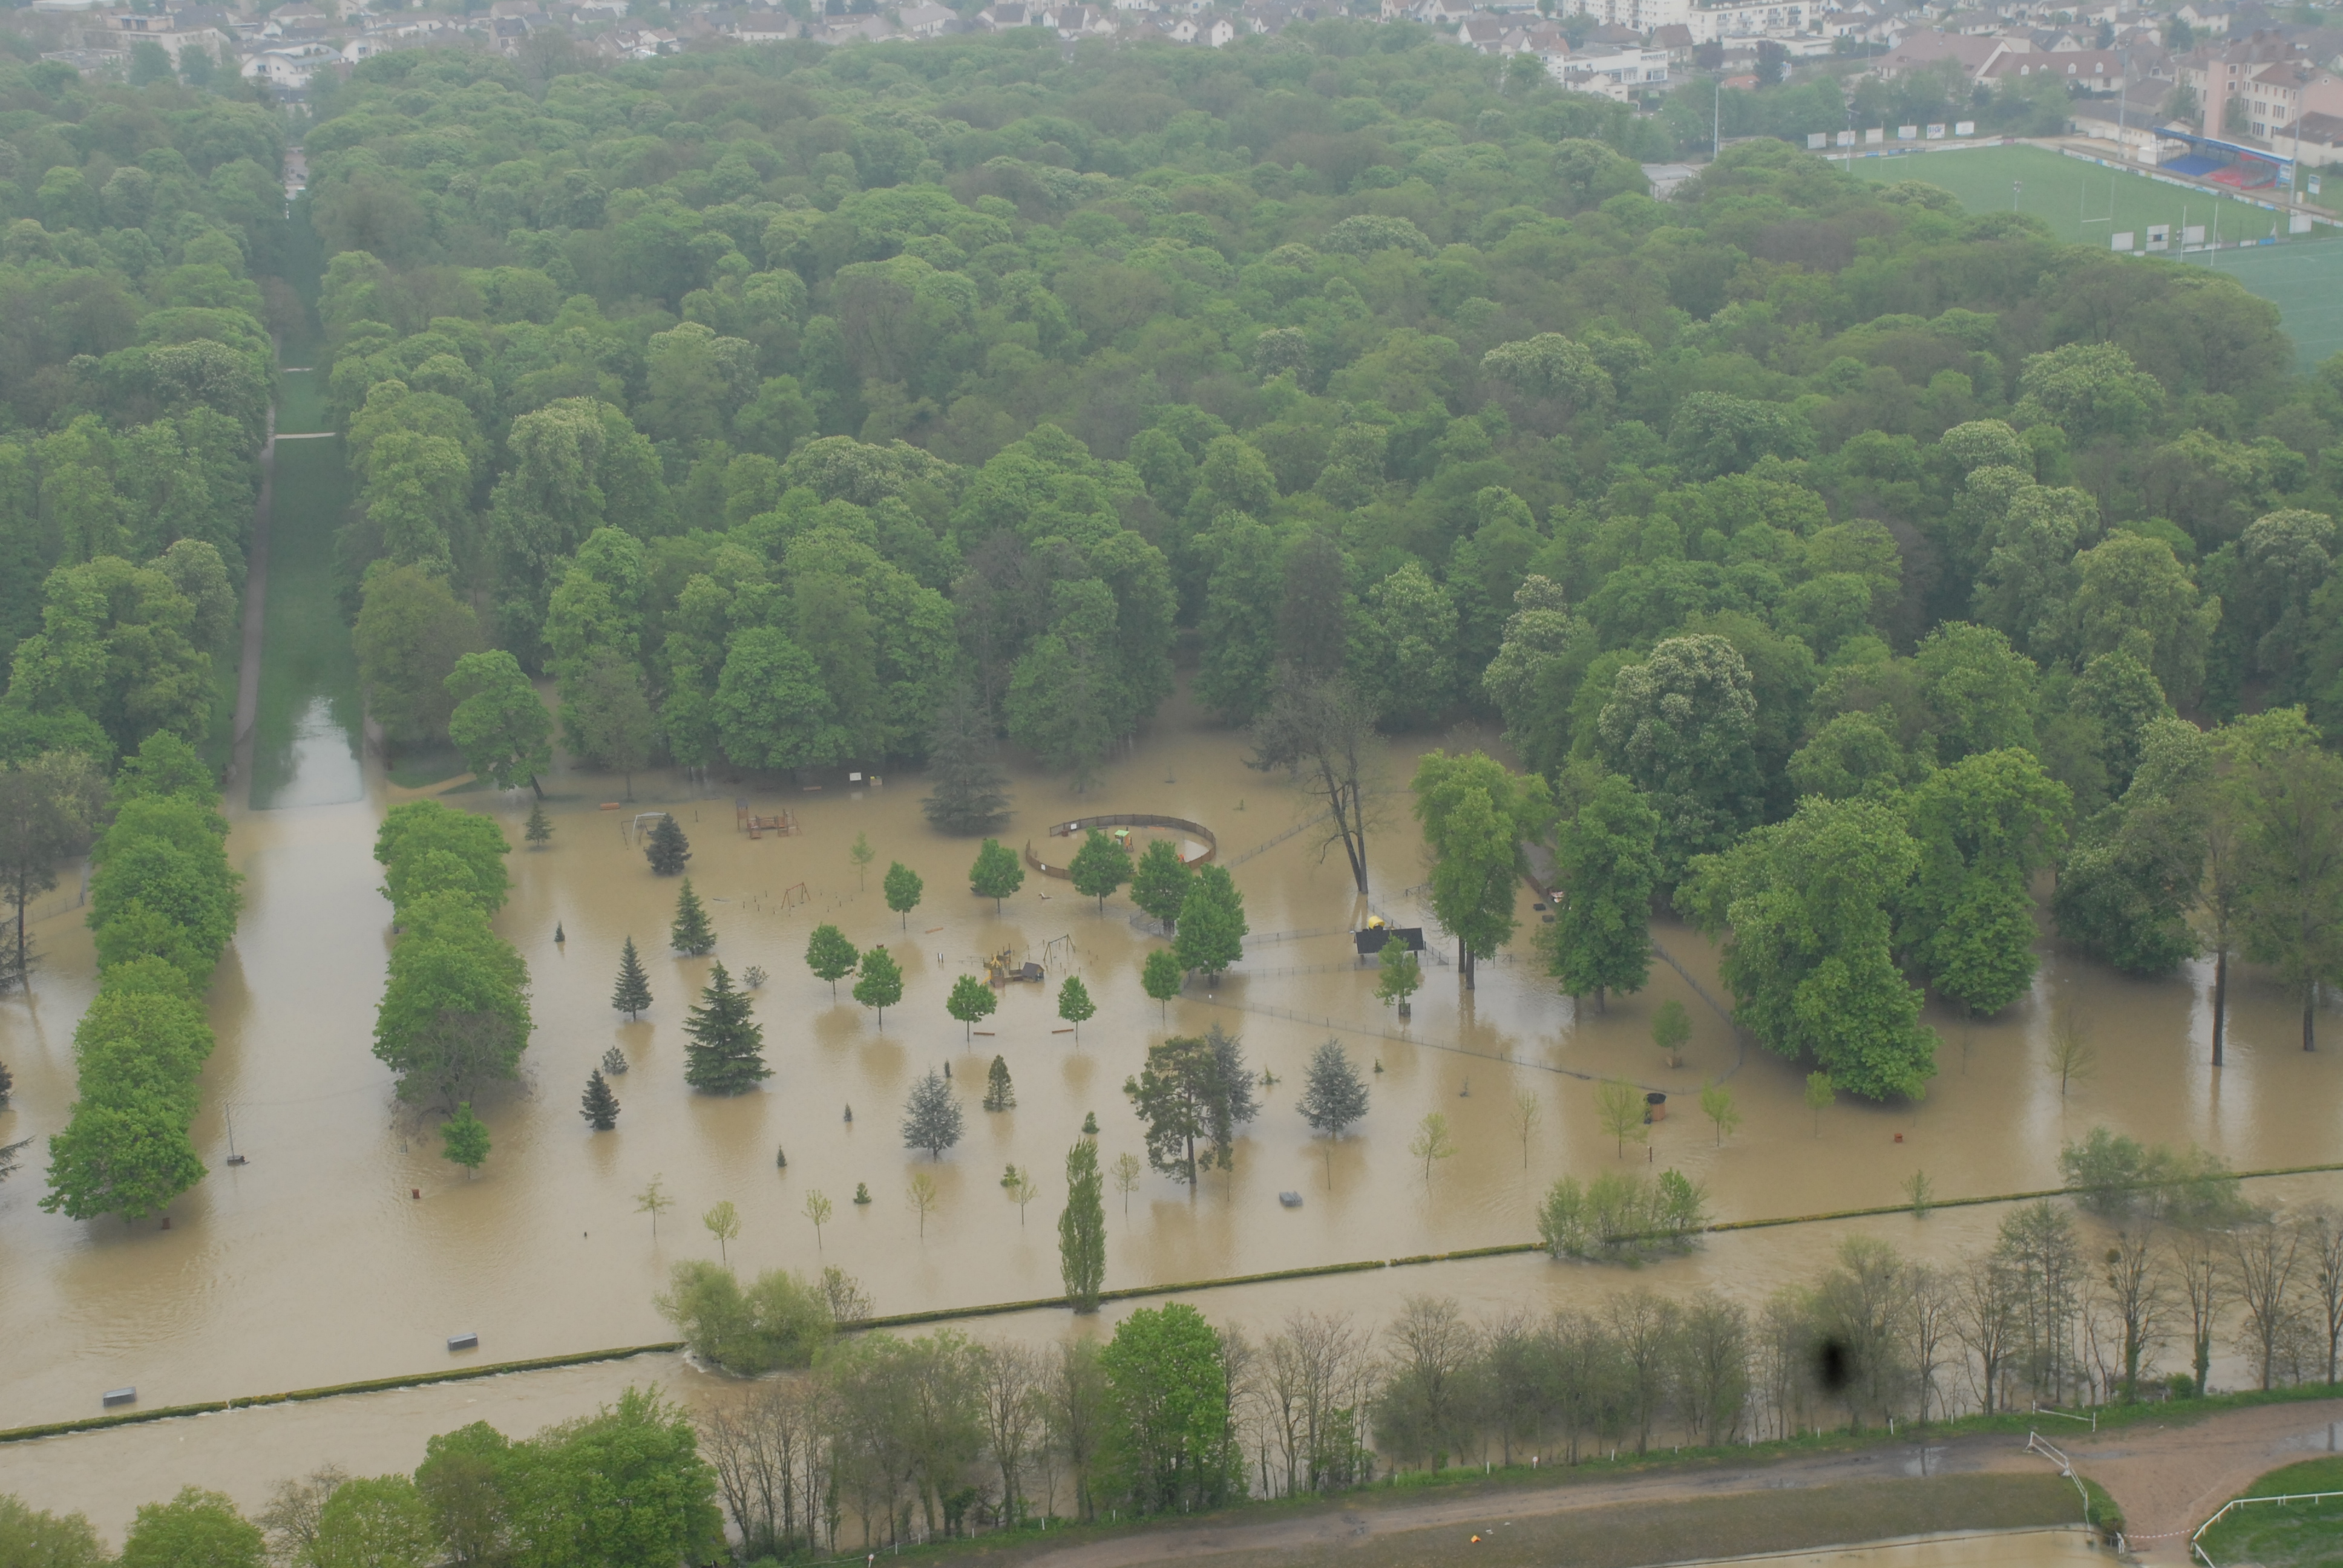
(1082, 1229)
(1099, 867)
(498, 723)
(1211, 927)
(1192, 1091)
(997, 873)
(902, 887)
(880, 983)
(1607, 866)
(464, 1140)
(829, 955)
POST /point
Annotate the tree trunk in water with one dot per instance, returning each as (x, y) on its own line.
(2220, 999)
(536, 785)
(2309, 1016)
(1464, 961)
(1602, 1000)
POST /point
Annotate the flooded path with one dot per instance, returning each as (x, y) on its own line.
(313, 1265)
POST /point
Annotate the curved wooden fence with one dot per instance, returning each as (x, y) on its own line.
(1123, 819)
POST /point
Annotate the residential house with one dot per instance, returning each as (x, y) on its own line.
(290, 67)
(2217, 73)
(174, 32)
(1638, 16)
(1747, 19)
(2316, 139)
(1621, 74)
(1925, 46)
(2277, 95)
(1484, 33)
(925, 19)
(2085, 71)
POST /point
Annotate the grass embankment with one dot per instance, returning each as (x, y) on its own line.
(2285, 1534)
(305, 657)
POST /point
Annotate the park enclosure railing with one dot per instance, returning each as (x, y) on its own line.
(1195, 830)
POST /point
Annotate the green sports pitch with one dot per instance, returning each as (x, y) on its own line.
(2087, 204)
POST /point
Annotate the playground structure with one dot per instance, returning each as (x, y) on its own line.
(1003, 968)
(745, 820)
(1126, 820)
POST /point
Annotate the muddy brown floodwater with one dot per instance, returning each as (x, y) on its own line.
(312, 1263)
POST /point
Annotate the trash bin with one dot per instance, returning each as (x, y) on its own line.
(1656, 1107)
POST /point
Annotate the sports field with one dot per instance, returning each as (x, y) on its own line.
(2085, 203)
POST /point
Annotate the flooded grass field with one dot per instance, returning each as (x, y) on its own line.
(315, 1262)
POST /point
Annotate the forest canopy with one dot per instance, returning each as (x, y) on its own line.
(791, 409)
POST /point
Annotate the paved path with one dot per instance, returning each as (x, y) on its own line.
(2167, 1479)
(2164, 1477)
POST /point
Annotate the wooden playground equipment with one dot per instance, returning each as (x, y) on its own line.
(1004, 967)
(1125, 820)
(745, 820)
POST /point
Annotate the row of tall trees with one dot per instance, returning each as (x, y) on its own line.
(163, 905)
(455, 1014)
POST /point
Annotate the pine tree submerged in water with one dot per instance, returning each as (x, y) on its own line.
(970, 792)
(1000, 1094)
(541, 827)
(600, 1106)
(668, 849)
(726, 1054)
(632, 994)
(691, 932)
(614, 1063)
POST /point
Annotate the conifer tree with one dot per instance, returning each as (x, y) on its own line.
(725, 1056)
(970, 793)
(600, 1106)
(1074, 1004)
(632, 994)
(1334, 1095)
(830, 956)
(1082, 1229)
(932, 1117)
(1000, 1094)
(541, 827)
(668, 849)
(691, 933)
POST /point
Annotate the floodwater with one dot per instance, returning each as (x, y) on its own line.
(315, 1263)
